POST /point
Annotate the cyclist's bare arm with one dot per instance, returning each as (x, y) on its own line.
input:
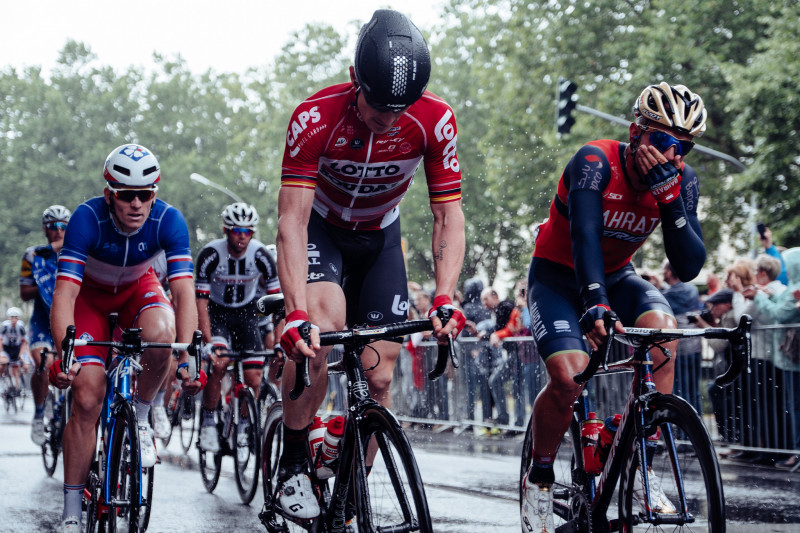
(448, 245)
(294, 211)
(62, 314)
(28, 292)
(183, 300)
(203, 320)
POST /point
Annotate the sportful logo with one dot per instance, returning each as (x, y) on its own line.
(445, 130)
(561, 326)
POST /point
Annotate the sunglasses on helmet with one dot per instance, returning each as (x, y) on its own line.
(61, 226)
(241, 231)
(127, 195)
(663, 141)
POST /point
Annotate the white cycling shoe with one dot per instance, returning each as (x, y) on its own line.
(297, 497)
(537, 508)
(209, 439)
(37, 431)
(71, 524)
(660, 503)
(161, 426)
(147, 446)
(242, 447)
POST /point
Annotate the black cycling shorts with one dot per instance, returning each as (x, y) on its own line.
(367, 265)
(239, 325)
(13, 352)
(556, 307)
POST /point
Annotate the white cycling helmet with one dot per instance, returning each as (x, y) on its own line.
(14, 311)
(674, 106)
(131, 165)
(239, 215)
(56, 213)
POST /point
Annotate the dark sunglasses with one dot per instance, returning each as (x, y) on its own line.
(61, 226)
(382, 108)
(663, 141)
(241, 231)
(127, 195)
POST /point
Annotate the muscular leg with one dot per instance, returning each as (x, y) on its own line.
(665, 377)
(211, 392)
(380, 378)
(252, 378)
(80, 434)
(39, 382)
(158, 325)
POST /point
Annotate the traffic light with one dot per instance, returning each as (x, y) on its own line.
(565, 105)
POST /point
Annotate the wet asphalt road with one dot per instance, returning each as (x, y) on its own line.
(471, 484)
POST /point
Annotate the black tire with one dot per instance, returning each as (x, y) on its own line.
(267, 396)
(571, 504)
(52, 437)
(187, 419)
(392, 496)
(210, 463)
(123, 472)
(247, 429)
(91, 520)
(696, 460)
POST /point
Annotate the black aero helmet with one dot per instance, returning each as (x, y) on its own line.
(392, 61)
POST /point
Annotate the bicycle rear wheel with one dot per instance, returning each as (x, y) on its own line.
(687, 467)
(123, 486)
(211, 463)
(187, 419)
(391, 496)
(52, 437)
(246, 452)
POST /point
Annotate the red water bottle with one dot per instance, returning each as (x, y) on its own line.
(607, 436)
(590, 433)
(316, 433)
(334, 429)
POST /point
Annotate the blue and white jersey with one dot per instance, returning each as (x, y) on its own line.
(95, 249)
(39, 265)
(13, 335)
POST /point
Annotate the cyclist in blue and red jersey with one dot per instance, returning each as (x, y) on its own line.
(105, 266)
(351, 154)
(610, 198)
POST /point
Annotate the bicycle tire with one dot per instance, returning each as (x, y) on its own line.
(52, 439)
(172, 415)
(266, 397)
(246, 458)
(391, 495)
(187, 420)
(211, 463)
(123, 494)
(91, 499)
(697, 463)
(571, 503)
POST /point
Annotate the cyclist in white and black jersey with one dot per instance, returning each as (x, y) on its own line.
(15, 343)
(228, 274)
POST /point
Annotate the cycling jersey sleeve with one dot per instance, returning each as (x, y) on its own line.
(269, 270)
(26, 271)
(83, 233)
(683, 238)
(173, 236)
(207, 261)
(442, 169)
(586, 176)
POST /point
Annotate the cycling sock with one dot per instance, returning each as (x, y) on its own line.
(159, 399)
(142, 409)
(541, 473)
(208, 417)
(39, 412)
(295, 448)
(73, 500)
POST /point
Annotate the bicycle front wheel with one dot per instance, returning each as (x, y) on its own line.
(686, 469)
(123, 486)
(52, 437)
(247, 451)
(210, 462)
(186, 415)
(390, 496)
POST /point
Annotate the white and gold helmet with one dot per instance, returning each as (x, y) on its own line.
(674, 106)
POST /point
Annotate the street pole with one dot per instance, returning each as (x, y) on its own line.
(198, 178)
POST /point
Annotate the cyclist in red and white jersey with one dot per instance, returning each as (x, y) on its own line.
(105, 266)
(610, 198)
(351, 154)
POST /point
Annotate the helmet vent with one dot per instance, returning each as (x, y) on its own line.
(150, 170)
(401, 64)
(122, 170)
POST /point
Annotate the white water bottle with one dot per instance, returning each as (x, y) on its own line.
(334, 429)
(315, 435)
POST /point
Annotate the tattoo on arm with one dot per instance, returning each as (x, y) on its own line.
(440, 253)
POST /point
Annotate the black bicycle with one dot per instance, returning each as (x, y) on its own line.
(119, 491)
(238, 430)
(57, 406)
(182, 414)
(681, 456)
(389, 496)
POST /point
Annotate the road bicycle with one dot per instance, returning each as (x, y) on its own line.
(657, 431)
(182, 414)
(12, 397)
(57, 407)
(119, 492)
(388, 495)
(238, 430)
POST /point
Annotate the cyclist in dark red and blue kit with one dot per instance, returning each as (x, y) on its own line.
(350, 156)
(105, 266)
(610, 198)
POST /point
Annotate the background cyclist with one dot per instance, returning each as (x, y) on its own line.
(351, 152)
(14, 337)
(610, 197)
(104, 267)
(229, 271)
(36, 282)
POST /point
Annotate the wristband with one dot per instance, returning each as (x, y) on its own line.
(178, 370)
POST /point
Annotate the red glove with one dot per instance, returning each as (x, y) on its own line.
(665, 183)
(443, 302)
(55, 368)
(202, 378)
(291, 331)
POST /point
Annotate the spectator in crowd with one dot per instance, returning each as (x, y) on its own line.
(501, 311)
(684, 299)
(511, 367)
(712, 284)
(475, 360)
(765, 234)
